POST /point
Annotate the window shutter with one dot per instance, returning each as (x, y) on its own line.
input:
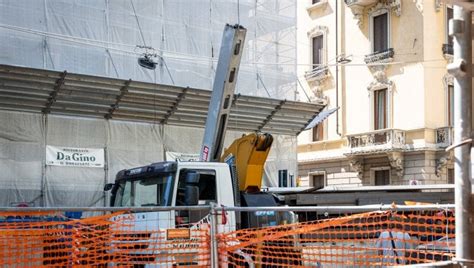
(317, 49)
(380, 32)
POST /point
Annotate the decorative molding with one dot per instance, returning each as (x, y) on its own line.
(317, 6)
(419, 5)
(357, 165)
(442, 164)
(318, 30)
(396, 162)
(438, 5)
(394, 5)
(358, 12)
(380, 81)
(448, 80)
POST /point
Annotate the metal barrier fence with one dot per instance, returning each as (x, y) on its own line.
(207, 236)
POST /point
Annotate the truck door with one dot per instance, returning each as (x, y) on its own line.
(207, 193)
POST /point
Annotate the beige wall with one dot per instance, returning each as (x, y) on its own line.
(417, 69)
(418, 95)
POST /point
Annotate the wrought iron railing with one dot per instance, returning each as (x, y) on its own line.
(380, 56)
(385, 139)
(316, 73)
(444, 136)
(360, 2)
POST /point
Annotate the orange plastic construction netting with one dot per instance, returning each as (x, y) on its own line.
(117, 239)
(360, 240)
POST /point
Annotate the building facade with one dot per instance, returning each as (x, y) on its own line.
(383, 63)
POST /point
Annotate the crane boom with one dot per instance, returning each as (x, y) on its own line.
(222, 92)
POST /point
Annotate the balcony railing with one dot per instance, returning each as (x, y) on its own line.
(444, 136)
(447, 49)
(378, 140)
(382, 56)
(317, 73)
(360, 2)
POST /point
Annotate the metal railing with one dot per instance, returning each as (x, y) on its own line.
(360, 2)
(444, 136)
(384, 139)
(380, 56)
(317, 73)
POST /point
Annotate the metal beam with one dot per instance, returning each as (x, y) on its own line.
(54, 94)
(271, 115)
(113, 107)
(173, 108)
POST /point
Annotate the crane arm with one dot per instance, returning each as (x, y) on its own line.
(250, 153)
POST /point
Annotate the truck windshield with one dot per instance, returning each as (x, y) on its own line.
(149, 191)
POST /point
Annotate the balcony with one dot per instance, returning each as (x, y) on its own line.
(384, 140)
(351, 3)
(444, 136)
(380, 57)
(315, 5)
(317, 74)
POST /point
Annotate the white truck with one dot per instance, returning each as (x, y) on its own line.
(211, 180)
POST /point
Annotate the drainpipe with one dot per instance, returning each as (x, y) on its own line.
(338, 132)
(461, 68)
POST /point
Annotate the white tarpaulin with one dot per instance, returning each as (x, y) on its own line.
(100, 38)
(74, 157)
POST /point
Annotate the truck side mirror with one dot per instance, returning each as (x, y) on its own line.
(191, 195)
(108, 186)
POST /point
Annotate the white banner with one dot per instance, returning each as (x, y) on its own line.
(74, 157)
(175, 156)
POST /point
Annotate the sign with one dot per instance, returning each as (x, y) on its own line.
(74, 157)
(175, 156)
(205, 153)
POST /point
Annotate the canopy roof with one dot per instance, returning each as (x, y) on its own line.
(44, 91)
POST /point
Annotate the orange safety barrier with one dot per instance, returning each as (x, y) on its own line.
(117, 239)
(361, 240)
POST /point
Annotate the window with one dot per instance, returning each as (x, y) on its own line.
(318, 181)
(450, 105)
(146, 191)
(317, 50)
(380, 32)
(449, 15)
(283, 178)
(382, 177)
(206, 185)
(318, 132)
(380, 109)
(451, 175)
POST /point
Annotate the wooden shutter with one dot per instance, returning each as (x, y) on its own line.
(317, 50)
(380, 32)
(380, 109)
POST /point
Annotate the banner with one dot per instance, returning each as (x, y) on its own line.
(74, 157)
(175, 156)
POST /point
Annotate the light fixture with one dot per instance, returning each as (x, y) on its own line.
(146, 61)
(343, 59)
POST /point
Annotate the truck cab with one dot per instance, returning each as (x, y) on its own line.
(166, 184)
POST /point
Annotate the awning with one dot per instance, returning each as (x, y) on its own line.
(321, 117)
(52, 92)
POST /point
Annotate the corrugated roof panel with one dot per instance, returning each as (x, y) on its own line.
(45, 91)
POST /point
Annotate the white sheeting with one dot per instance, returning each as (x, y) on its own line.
(25, 178)
(99, 38)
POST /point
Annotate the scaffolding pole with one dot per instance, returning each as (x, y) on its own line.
(461, 69)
